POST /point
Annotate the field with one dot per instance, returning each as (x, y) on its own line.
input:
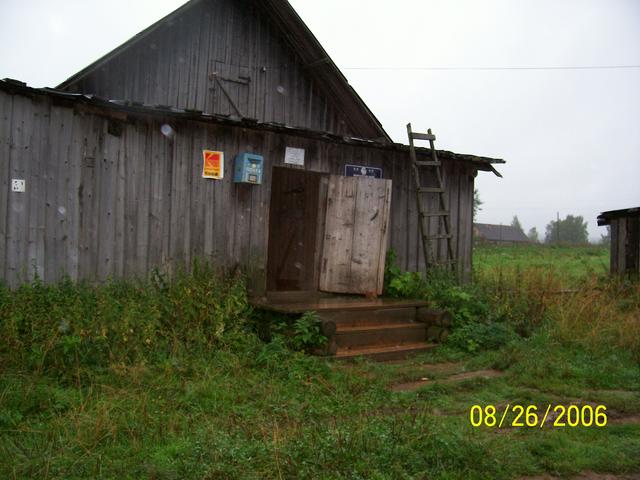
(163, 380)
(571, 264)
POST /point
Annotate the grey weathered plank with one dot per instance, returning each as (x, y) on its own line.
(335, 274)
(145, 166)
(260, 197)
(17, 217)
(197, 205)
(88, 199)
(622, 246)
(50, 171)
(613, 266)
(76, 151)
(133, 167)
(119, 208)
(453, 194)
(465, 223)
(208, 205)
(62, 207)
(158, 200)
(387, 192)
(243, 208)
(365, 250)
(178, 214)
(35, 194)
(6, 120)
(108, 156)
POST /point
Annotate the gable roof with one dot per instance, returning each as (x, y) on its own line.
(301, 40)
(499, 233)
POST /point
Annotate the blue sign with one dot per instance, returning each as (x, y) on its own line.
(360, 171)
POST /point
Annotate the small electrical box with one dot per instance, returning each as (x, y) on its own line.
(249, 168)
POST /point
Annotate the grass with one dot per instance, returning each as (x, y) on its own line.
(571, 264)
(205, 398)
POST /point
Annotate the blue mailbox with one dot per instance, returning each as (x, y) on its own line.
(249, 168)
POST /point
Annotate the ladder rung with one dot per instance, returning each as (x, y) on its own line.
(423, 136)
(435, 214)
(438, 237)
(430, 190)
(429, 163)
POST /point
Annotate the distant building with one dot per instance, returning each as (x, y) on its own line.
(498, 234)
(625, 239)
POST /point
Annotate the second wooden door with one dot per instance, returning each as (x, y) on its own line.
(355, 235)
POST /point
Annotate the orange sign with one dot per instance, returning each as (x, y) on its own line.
(213, 164)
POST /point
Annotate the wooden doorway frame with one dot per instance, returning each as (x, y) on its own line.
(296, 215)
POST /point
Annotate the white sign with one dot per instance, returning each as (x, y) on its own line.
(294, 156)
(17, 185)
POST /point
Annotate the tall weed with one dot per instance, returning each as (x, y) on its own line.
(516, 299)
(55, 327)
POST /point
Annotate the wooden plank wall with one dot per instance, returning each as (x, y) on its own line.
(625, 245)
(108, 197)
(633, 242)
(233, 38)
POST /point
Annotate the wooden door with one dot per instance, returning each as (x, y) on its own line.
(295, 214)
(355, 239)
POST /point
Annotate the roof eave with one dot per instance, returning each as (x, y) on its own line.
(135, 108)
(605, 217)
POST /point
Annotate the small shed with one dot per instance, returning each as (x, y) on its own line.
(625, 239)
(499, 234)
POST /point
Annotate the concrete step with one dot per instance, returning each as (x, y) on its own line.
(348, 337)
(384, 353)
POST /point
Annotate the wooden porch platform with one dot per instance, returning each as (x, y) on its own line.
(295, 303)
(378, 328)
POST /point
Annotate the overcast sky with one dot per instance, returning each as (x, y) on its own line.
(571, 137)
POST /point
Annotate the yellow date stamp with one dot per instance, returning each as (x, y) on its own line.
(532, 416)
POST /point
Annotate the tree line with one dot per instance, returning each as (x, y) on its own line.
(570, 230)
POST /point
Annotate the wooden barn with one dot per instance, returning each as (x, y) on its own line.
(499, 234)
(223, 132)
(625, 239)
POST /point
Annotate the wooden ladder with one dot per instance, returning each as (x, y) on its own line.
(444, 225)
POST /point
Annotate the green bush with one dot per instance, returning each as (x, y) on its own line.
(481, 319)
(476, 336)
(298, 333)
(53, 327)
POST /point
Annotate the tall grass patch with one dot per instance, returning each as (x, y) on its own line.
(50, 328)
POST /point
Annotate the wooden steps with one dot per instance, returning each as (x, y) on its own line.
(379, 328)
(386, 352)
(383, 334)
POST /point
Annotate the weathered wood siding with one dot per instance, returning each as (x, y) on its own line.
(107, 195)
(625, 245)
(258, 76)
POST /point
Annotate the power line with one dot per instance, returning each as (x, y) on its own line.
(561, 67)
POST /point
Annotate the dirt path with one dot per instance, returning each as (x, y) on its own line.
(459, 377)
